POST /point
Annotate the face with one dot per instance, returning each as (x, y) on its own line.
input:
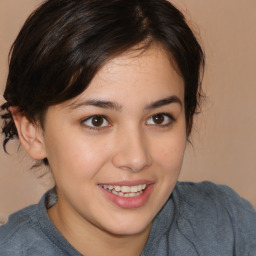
(116, 150)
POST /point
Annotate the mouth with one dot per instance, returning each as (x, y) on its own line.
(128, 194)
(125, 191)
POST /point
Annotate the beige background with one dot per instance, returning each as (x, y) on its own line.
(224, 139)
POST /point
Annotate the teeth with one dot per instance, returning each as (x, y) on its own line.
(116, 188)
(125, 191)
(134, 189)
(114, 192)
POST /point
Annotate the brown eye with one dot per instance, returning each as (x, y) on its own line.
(158, 119)
(96, 121)
(161, 119)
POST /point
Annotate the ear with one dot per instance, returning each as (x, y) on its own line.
(30, 135)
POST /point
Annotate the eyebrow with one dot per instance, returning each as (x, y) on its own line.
(98, 103)
(163, 102)
(117, 107)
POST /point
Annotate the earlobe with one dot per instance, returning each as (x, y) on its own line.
(30, 135)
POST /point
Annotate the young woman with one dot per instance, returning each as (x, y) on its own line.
(104, 94)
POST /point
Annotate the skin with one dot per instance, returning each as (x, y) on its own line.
(129, 145)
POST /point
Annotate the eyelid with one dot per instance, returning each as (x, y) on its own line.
(166, 115)
(96, 127)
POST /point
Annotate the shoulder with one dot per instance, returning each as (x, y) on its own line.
(23, 234)
(19, 229)
(221, 197)
(217, 211)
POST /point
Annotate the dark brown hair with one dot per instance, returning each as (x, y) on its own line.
(64, 43)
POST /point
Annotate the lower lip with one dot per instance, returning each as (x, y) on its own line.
(129, 202)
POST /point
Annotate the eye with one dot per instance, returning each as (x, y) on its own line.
(161, 119)
(96, 122)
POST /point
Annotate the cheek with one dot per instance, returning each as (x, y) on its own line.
(169, 163)
(168, 159)
(170, 151)
(75, 158)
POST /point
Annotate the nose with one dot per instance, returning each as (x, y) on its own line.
(132, 152)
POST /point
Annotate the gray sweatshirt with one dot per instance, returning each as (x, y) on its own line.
(198, 219)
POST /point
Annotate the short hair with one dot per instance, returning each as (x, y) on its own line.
(64, 43)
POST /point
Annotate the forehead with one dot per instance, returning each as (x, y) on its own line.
(137, 74)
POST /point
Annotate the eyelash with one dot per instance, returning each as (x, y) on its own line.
(165, 115)
(105, 119)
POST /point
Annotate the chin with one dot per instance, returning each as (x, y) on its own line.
(128, 227)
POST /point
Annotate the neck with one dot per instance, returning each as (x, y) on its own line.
(90, 240)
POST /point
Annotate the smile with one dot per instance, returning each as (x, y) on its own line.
(125, 191)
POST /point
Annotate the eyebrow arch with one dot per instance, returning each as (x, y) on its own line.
(98, 103)
(163, 102)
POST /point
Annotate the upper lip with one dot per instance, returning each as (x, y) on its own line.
(127, 183)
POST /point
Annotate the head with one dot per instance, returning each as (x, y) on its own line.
(68, 49)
